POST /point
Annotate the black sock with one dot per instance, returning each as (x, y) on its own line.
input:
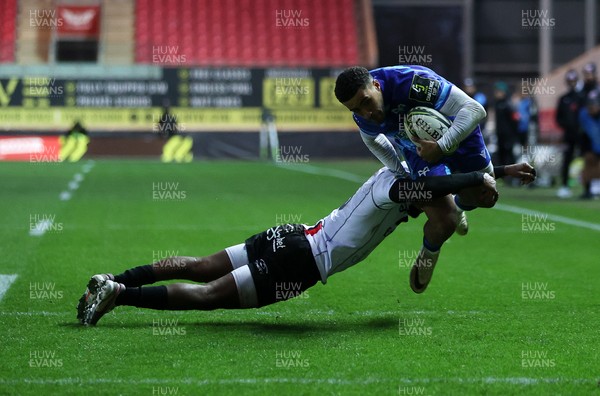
(154, 297)
(588, 188)
(138, 276)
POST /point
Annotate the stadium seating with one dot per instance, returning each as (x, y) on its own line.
(8, 18)
(248, 32)
(117, 32)
(32, 42)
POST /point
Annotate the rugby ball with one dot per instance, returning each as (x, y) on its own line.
(427, 124)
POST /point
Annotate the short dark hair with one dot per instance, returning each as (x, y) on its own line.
(590, 67)
(350, 81)
(593, 97)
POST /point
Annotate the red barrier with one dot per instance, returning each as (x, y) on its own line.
(30, 148)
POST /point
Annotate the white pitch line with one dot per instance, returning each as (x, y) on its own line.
(65, 196)
(5, 282)
(553, 217)
(72, 186)
(315, 170)
(296, 381)
(41, 227)
(246, 314)
(88, 166)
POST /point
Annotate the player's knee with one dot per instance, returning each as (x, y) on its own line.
(210, 296)
(196, 268)
(449, 222)
(198, 264)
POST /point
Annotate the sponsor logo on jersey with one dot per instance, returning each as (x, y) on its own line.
(425, 90)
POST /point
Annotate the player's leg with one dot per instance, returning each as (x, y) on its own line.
(442, 219)
(233, 290)
(564, 191)
(218, 293)
(585, 146)
(258, 275)
(591, 171)
(197, 269)
(221, 293)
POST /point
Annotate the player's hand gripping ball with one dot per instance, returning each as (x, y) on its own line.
(425, 123)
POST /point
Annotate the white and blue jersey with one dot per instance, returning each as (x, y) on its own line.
(405, 87)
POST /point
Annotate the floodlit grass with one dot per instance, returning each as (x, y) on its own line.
(513, 307)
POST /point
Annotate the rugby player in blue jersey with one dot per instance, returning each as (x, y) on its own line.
(379, 99)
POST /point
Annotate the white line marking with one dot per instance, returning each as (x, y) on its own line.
(41, 227)
(88, 166)
(553, 217)
(246, 314)
(5, 282)
(65, 196)
(298, 381)
(315, 170)
(35, 313)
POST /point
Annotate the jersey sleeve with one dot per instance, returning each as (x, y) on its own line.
(385, 152)
(367, 128)
(468, 114)
(380, 192)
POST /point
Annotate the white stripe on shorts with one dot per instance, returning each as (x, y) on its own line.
(238, 255)
(245, 287)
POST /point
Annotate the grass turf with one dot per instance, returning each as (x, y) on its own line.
(508, 312)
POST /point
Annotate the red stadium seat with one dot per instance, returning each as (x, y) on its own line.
(8, 28)
(249, 32)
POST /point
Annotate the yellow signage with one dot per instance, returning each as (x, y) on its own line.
(289, 92)
(327, 97)
(189, 120)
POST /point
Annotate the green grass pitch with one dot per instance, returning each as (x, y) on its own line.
(513, 307)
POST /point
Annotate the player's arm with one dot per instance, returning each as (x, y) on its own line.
(522, 171)
(432, 187)
(383, 149)
(468, 114)
(429, 188)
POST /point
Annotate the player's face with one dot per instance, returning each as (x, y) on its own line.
(589, 77)
(368, 103)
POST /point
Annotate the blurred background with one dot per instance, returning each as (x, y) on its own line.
(198, 79)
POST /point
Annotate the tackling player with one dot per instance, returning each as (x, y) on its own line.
(290, 257)
(380, 98)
